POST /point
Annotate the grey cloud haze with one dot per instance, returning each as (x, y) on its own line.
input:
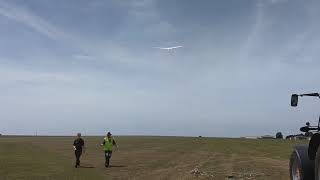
(90, 66)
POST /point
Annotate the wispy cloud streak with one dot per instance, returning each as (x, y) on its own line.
(30, 19)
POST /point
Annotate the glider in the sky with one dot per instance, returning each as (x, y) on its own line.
(169, 48)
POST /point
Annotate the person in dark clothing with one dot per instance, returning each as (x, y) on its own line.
(108, 143)
(78, 146)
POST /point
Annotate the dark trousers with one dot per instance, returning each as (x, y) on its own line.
(107, 155)
(77, 154)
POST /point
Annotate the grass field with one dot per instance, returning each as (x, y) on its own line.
(48, 158)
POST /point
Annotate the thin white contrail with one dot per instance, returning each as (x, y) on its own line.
(168, 48)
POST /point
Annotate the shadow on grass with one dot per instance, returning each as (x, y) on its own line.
(86, 166)
(116, 166)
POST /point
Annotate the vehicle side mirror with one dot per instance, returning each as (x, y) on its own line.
(294, 100)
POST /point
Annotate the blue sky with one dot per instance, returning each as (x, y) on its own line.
(90, 66)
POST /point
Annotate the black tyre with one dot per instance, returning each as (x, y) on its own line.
(317, 165)
(301, 168)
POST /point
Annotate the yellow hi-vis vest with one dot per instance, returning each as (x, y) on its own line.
(108, 144)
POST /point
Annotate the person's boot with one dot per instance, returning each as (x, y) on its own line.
(107, 163)
(77, 164)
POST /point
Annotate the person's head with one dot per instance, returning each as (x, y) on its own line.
(78, 135)
(109, 134)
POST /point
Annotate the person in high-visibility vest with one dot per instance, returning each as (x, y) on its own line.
(108, 143)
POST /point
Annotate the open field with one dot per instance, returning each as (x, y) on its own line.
(145, 158)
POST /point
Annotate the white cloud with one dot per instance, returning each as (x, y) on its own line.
(254, 35)
(278, 1)
(263, 3)
(28, 18)
(83, 57)
(136, 3)
(143, 3)
(9, 75)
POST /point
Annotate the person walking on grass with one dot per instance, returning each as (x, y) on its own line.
(78, 146)
(108, 143)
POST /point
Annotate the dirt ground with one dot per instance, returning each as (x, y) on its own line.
(146, 158)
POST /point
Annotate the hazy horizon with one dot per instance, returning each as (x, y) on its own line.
(91, 66)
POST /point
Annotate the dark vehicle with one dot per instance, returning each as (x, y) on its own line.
(305, 159)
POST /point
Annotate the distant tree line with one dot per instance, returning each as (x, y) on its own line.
(279, 135)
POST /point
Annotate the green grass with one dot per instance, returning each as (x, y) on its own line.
(144, 158)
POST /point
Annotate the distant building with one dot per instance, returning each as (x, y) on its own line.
(250, 137)
(267, 137)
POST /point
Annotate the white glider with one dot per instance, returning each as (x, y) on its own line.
(169, 48)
